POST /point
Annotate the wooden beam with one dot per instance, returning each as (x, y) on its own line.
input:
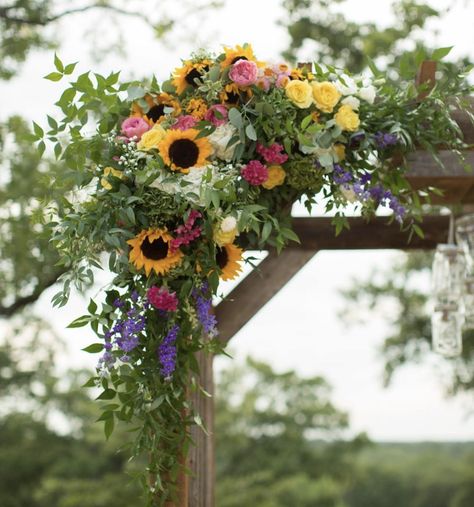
(426, 77)
(317, 233)
(254, 292)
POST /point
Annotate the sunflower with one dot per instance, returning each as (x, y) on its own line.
(228, 258)
(197, 108)
(232, 55)
(184, 76)
(232, 94)
(181, 149)
(156, 108)
(151, 250)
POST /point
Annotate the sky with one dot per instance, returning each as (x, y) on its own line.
(300, 328)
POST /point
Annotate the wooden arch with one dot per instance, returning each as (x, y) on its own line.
(317, 233)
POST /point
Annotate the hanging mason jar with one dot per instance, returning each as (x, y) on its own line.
(446, 329)
(449, 270)
(465, 239)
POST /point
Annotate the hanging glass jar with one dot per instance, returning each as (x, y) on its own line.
(448, 278)
(446, 329)
(465, 239)
(449, 271)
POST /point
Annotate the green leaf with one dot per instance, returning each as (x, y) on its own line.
(135, 92)
(92, 308)
(58, 63)
(80, 321)
(38, 130)
(69, 69)
(53, 76)
(235, 118)
(440, 53)
(109, 427)
(168, 87)
(106, 394)
(94, 348)
(92, 382)
(250, 132)
(306, 121)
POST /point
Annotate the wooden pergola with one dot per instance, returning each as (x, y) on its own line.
(317, 233)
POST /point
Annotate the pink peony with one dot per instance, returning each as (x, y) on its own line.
(244, 73)
(184, 122)
(134, 127)
(273, 153)
(255, 172)
(217, 119)
(162, 299)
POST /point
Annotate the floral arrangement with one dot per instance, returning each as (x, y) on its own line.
(170, 183)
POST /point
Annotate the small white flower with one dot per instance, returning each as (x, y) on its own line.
(228, 224)
(368, 94)
(219, 140)
(352, 102)
(348, 193)
(349, 87)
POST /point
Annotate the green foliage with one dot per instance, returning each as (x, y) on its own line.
(341, 41)
(28, 259)
(266, 429)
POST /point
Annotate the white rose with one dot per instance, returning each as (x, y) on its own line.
(348, 193)
(368, 94)
(219, 140)
(349, 87)
(352, 102)
(228, 224)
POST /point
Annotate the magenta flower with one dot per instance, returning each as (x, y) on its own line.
(134, 127)
(244, 73)
(184, 122)
(187, 233)
(273, 153)
(255, 172)
(217, 119)
(162, 299)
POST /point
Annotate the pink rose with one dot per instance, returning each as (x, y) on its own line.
(162, 299)
(244, 73)
(217, 119)
(134, 127)
(184, 122)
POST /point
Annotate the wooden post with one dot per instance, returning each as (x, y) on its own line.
(201, 457)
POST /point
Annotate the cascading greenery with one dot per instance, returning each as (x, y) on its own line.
(173, 181)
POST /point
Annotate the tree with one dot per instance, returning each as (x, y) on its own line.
(23, 23)
(279, 440)
(336, 40)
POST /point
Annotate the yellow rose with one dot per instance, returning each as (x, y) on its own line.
(276, 177)
(300, 93)
(339, 151)
(151, 138)
(325, 96)
(347, 119)
(107, 172)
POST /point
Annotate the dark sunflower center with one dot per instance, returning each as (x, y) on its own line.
(195, 73)
(237, 58)
(222, 257)
(184, 153)
(233, 98)
(156, 112)
(154, 250)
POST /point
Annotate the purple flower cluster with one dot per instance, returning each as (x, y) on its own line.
(364, 192)
(204, 310)
(125, 333)
(385, 140)
(167, 352)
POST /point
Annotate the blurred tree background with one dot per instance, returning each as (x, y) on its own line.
(281, 441)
